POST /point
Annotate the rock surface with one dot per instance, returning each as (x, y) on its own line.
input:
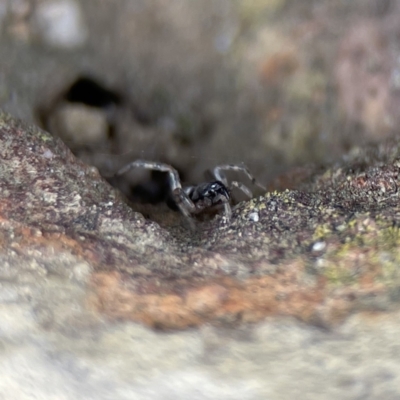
(78, 264)
(315, 254)
(297, 296)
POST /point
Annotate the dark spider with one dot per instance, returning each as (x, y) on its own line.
(205, 196)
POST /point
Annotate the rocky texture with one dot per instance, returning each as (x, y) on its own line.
(314, 267)
(277, 359)
(71, 248)
(316, 254)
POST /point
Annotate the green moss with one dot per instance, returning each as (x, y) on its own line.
(389, 238)
(322, 231)
(44, 136)
(339, 275)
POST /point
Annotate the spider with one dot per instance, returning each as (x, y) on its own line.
(192, 200)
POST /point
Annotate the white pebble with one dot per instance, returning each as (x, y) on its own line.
(48, 154)
(254, 216)
(318, 246)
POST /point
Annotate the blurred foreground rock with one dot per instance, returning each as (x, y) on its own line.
(78, 264)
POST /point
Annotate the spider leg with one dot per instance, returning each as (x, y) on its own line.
(155, 166)
(185, 205)
(182, 200)
(219, 174)
(227, 211)
(243, 188)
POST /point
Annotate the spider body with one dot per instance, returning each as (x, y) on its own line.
(192, 200)
(208, 195)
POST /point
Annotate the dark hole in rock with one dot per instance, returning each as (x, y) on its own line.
(92, 93)
(87, 91)
(84, 96)
(87, 99)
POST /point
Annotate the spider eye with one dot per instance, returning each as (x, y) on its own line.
(212, 191)
(215, 190)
